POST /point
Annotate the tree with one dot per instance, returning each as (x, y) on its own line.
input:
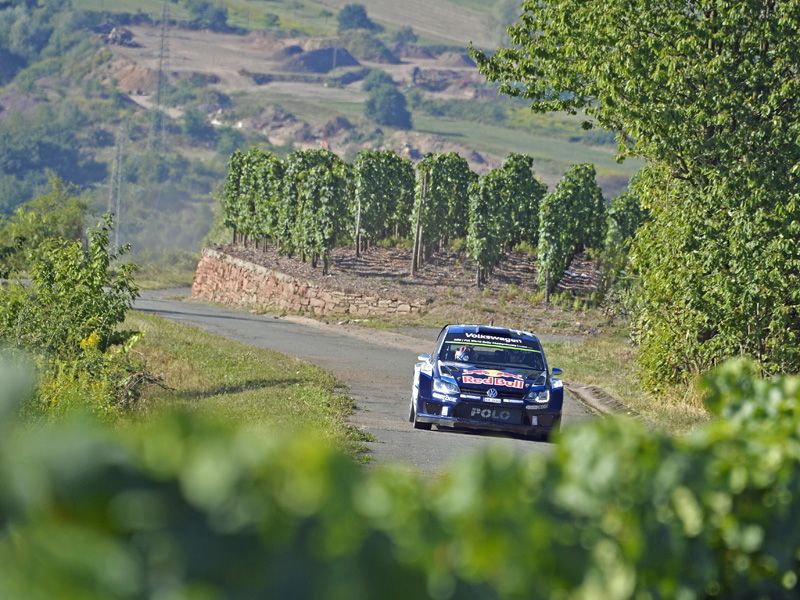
(354, 16)
(404, 36)
(706, 92)
(195, 125)
(207, 14)
(387, 106)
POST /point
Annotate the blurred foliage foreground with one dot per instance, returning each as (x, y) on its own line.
(186, 507)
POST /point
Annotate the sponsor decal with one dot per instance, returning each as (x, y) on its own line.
(495, 414)
(516, 384)
(492, 393)
(492, 373)
(493, 338)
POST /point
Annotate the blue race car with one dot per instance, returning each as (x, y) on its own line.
(483, 377)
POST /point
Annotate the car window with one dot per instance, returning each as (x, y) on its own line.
(511, 353)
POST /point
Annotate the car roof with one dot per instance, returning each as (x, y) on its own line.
(492, 330)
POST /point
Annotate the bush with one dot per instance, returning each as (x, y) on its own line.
(73, 296)
(58, 214)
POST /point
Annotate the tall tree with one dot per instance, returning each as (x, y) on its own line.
(707, 91)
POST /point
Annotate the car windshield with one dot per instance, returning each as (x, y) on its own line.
(506, 353)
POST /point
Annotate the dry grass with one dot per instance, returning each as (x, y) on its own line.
(608, 362)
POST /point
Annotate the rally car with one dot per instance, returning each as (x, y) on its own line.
(484, 377)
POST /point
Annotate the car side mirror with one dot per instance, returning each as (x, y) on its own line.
(555, 372)
(424, 357)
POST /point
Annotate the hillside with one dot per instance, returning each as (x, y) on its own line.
(277, 74)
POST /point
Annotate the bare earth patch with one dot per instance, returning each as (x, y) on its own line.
(447, 284)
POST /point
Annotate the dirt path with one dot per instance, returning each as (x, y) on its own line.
(377, 367)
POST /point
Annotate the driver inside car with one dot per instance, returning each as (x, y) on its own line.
(463, 354)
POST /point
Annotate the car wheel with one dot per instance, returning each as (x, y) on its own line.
(413, 418)
(548, 435)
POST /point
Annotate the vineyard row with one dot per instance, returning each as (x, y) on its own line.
(313, 201)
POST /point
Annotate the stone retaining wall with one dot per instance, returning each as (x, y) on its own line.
(228, 280)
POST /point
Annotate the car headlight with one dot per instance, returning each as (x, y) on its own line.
(540, 397)
(445, 387)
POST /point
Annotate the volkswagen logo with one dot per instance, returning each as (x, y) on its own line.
(492, 393)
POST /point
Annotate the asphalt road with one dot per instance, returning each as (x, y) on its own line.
(376, 366)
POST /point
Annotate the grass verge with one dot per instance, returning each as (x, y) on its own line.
(608, 362)
(250, 386)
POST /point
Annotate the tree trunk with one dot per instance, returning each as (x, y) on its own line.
(325, 262)
(314, 260)
(234, 236)
(478, 276)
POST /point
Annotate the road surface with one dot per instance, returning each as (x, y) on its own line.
(376, 366)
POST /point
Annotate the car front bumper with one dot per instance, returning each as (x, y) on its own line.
(535, 422)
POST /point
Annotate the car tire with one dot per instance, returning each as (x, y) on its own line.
(412, 416)
(548, 435)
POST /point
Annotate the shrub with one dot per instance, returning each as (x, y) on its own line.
(58, 214)
(73, 295)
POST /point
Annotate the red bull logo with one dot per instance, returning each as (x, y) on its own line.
(492, 373)
(494, 378)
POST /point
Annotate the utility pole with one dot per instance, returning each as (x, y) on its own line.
(156, 141)
(115, 195)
